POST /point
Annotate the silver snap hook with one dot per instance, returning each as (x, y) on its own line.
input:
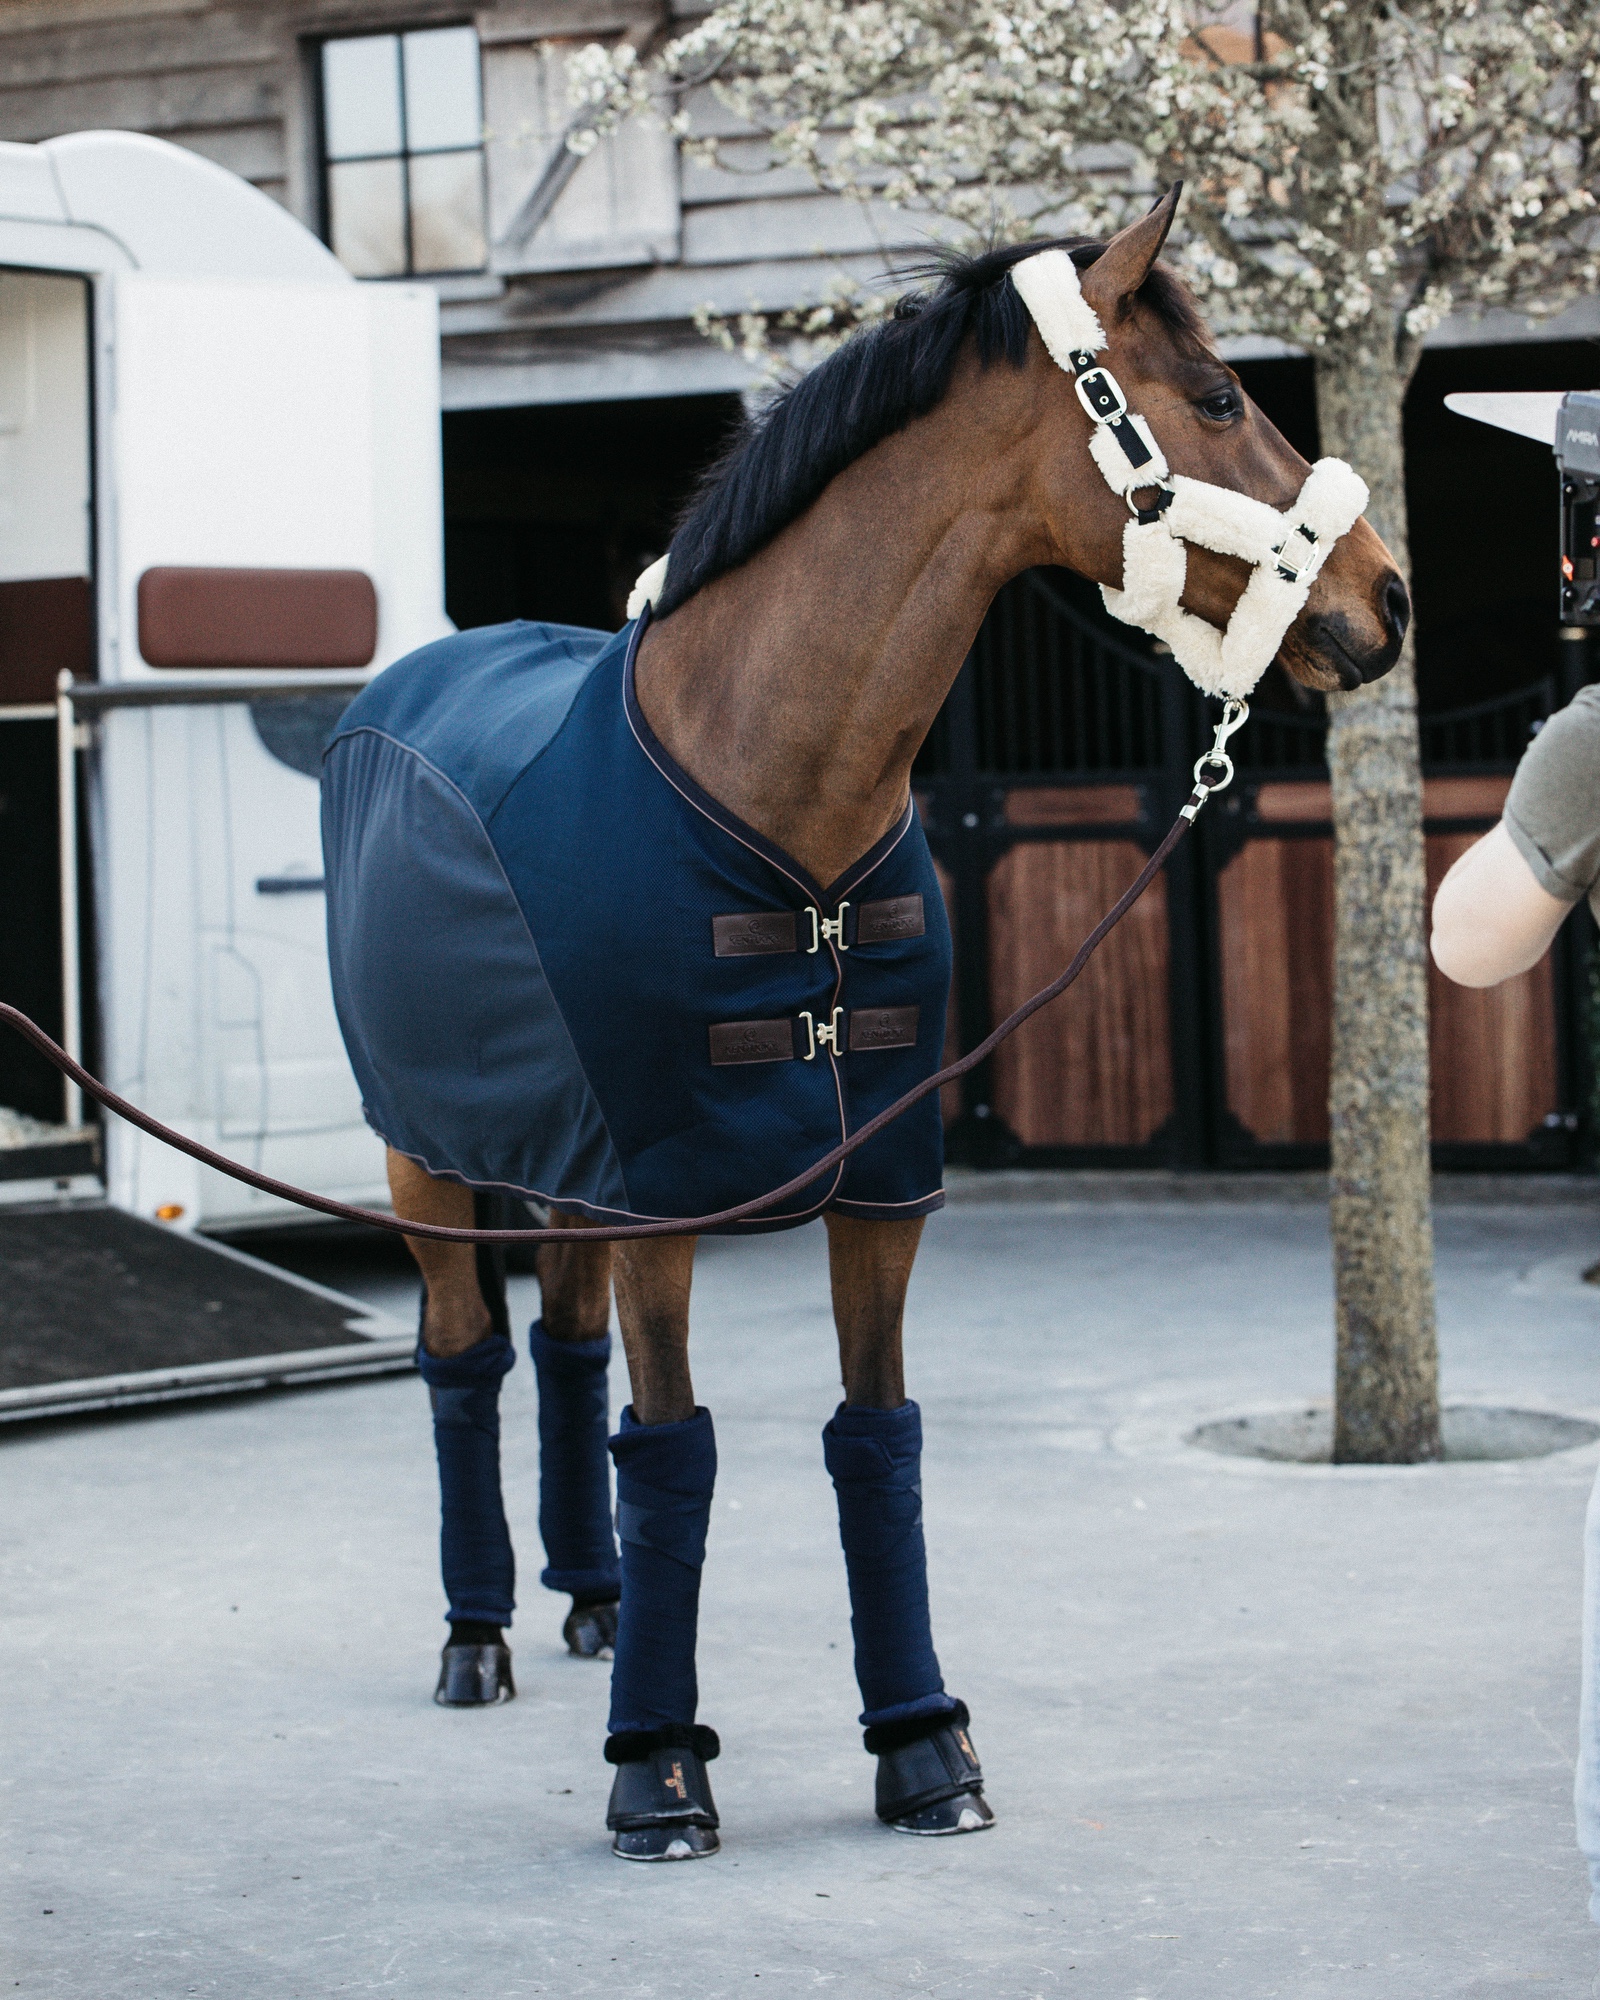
(1235, 714)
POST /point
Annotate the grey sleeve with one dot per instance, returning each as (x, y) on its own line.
(1553, 811)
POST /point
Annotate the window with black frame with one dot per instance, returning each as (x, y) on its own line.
(402, 153)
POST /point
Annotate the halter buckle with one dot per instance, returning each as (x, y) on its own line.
(1101, 395)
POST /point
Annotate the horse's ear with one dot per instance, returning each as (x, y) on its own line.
(1124, 264)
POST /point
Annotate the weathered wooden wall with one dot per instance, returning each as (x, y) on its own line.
(595, 304)
(237, 84)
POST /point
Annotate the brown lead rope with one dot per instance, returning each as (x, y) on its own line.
(1215, 758)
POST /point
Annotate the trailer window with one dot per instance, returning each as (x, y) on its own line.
(402, 147)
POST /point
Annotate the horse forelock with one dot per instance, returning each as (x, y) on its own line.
(878, 381)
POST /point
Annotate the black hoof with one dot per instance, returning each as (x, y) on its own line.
(967, 1812)
(661, 1805)
(929, 1777)
(591, 1630)
(474, 1677)
(675, 1841)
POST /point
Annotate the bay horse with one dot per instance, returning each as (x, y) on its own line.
(527, 988)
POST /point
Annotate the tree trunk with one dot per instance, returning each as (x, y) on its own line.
(1386, 1371)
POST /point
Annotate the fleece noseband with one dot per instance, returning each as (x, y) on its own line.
(1287, 550)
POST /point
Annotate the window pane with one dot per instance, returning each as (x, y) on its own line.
(442, 103)
(447, 212)
(366, 217)
(361, 96)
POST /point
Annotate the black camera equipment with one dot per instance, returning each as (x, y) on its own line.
(1577, 447)
(1569, 426)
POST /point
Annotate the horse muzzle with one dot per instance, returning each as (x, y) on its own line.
(1354, 655)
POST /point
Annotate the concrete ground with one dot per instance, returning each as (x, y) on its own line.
(1250, 1730)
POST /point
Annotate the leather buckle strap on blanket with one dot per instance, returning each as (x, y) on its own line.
(771, 933)
(1214, 761)
(777, 1041)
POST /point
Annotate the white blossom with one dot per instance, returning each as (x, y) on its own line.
(1378, 168)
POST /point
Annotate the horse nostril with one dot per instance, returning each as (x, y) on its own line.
(1396, 609)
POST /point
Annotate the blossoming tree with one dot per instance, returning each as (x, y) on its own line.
(1355, 172)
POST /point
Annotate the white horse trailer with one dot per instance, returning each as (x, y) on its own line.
(220, 514)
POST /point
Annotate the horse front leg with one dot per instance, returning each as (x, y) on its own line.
(661, 1808)
(570, 1344)
(929, 1780)
(464, 1351)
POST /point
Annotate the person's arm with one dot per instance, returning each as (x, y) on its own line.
(1500, 906)
(1491, 918)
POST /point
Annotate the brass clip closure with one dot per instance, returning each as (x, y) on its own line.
(822, 928)
(825, 1037)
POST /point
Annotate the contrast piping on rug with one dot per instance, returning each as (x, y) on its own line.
(768, 851)
(1213, 772)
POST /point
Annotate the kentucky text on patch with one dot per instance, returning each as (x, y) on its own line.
(752, 1041)
(754, 933)
(888, 918)
(884, 1027)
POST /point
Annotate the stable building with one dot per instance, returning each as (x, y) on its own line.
(425, 146)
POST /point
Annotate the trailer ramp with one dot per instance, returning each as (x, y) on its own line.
(100, 1310)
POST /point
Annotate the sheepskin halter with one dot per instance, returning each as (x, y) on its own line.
(1287, 549)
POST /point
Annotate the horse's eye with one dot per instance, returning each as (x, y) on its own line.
(1222, 405)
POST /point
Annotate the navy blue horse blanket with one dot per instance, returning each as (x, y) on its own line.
(563, 970)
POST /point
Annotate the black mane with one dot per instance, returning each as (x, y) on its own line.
(874, 385)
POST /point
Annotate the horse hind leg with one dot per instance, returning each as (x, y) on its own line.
(929, 1780)
(661, 1808)
(570, 1345)
(464, 1351)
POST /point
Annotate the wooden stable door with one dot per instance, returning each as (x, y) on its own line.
(1493, 1055)
(1199, 1034)
(1095, 1068)
(1275, 916)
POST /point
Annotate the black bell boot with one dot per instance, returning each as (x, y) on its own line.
(661, 1805)
(475, 1668)
(591, 1630)
(929, 1777)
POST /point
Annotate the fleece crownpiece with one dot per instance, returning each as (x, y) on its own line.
(648, 587)
(1287, 549)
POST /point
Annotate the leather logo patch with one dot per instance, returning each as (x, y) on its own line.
(754, 933)
(889, 918)
(884, 1027)
(755, 1041)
